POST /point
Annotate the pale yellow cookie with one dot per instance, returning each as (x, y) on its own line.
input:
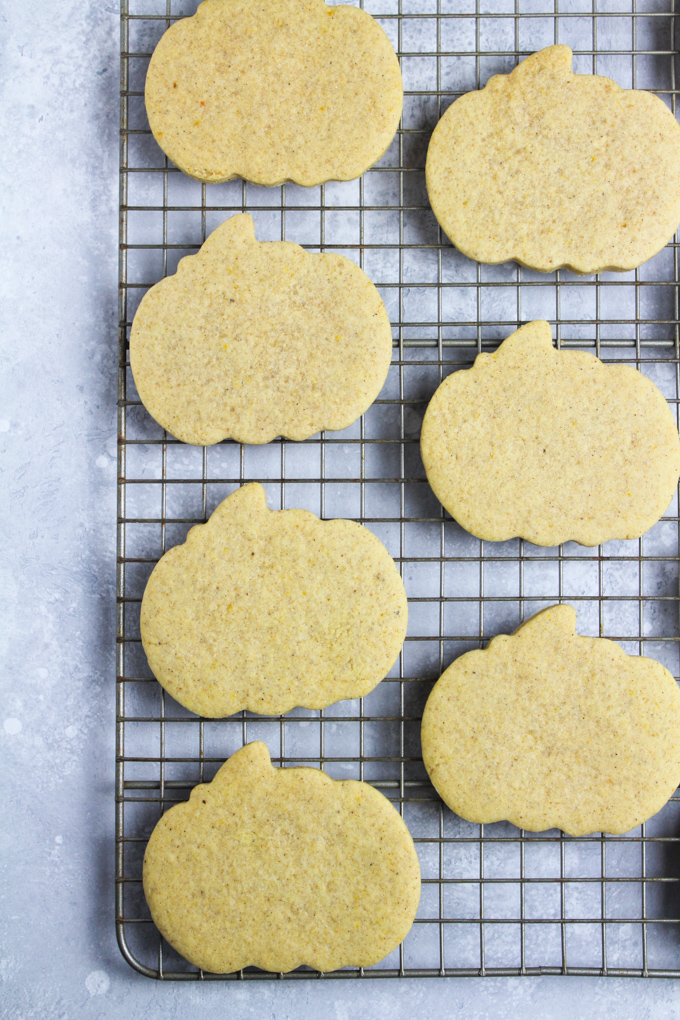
(548, 729)
(265, 610)
(555, 169)
(275, 868)
(282, 90)
(550, 445)
(250, 340)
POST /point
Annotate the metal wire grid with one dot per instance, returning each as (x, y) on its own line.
(495, 900)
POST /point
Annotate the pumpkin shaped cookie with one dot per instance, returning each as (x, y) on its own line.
(275, 868)
(550, 445)
(546, 728)
(282, 90)
(553, 169)
(268, 609)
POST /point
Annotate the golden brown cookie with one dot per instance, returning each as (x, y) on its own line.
(550, 445)
(275, 868)
(250, 340)
(555, 169)
(265, 610)
(282, 90)
(548, 729)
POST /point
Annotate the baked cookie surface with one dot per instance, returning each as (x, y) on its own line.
(550, 445)
(274, 91)
(276, 868)
(268, 610)
(555, 169)
(546, 728)
(250, 340)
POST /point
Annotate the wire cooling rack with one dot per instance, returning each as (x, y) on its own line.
(495, 900)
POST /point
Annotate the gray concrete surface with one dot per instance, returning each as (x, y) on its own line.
(58, 955)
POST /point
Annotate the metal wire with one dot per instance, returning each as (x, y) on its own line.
(495, 900)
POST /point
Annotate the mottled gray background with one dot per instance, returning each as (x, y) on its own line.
(58, 204)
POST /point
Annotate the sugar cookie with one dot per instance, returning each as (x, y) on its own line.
(550, 445)
(275, 868)
(250, 340)
(283, 90)
(266, 610)
(548, 729)
(555, 169)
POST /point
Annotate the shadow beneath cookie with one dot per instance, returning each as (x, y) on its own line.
(661, 866)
